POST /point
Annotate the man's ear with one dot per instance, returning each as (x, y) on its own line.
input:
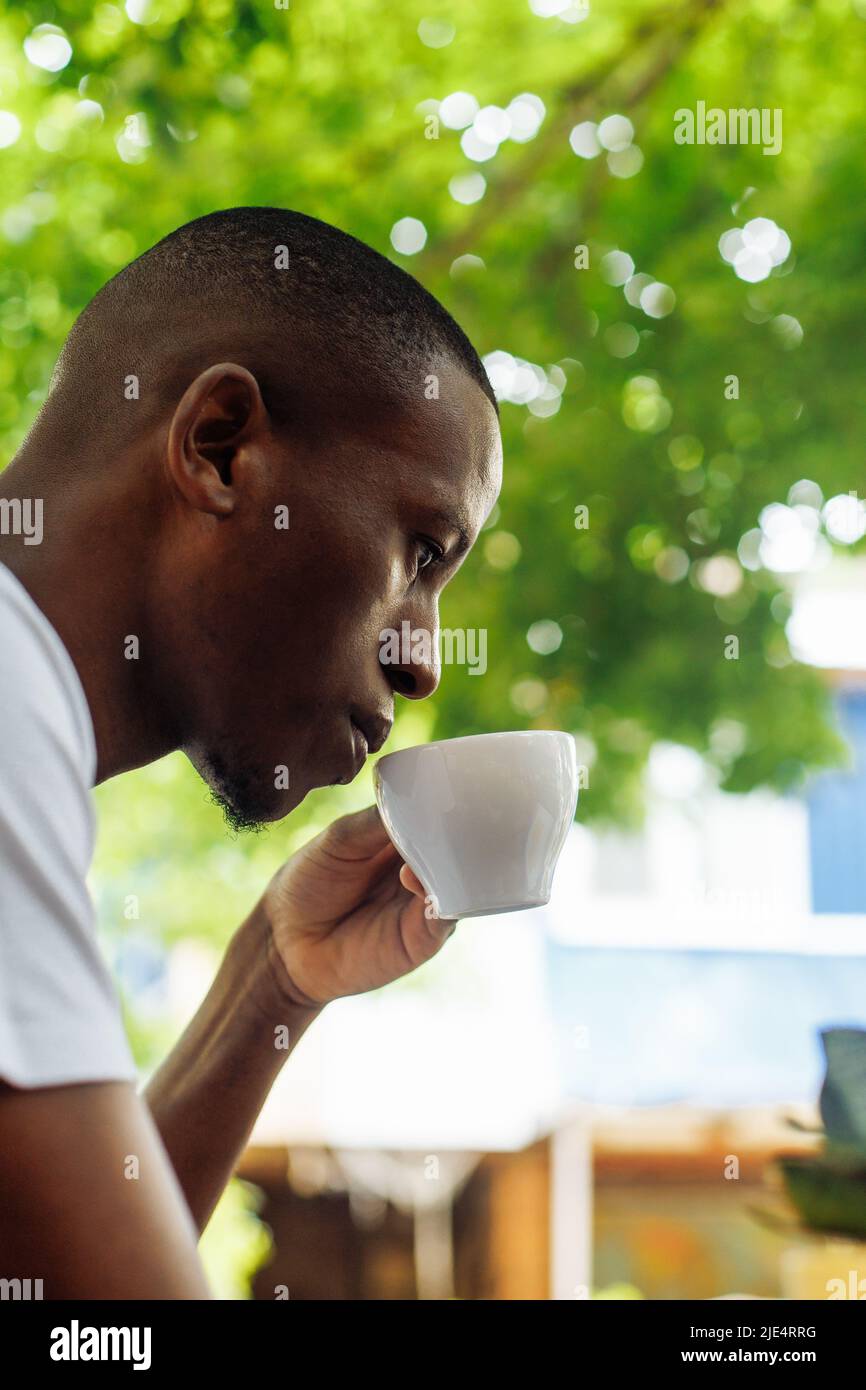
(218, 413)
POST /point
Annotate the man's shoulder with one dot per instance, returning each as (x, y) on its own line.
(59, 1016)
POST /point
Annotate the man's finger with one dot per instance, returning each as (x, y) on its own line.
(412, 882)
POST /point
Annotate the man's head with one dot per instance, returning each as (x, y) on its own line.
(301, 445)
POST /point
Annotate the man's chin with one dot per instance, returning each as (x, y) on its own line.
(254, 815)
(248, 802)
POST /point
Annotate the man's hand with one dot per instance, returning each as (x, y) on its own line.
(346, 915)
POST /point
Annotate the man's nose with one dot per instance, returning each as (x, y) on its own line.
(412, 663)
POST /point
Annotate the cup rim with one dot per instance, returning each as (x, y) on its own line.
(474, 738)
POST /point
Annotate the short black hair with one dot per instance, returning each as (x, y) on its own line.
(255, 284)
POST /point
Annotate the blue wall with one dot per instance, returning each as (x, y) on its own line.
(837, 820)
(710, 1028)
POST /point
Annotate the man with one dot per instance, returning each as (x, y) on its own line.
(263, 445)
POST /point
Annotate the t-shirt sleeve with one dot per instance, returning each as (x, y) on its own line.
(60, 1018)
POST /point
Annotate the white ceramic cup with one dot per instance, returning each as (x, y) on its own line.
(481, 820)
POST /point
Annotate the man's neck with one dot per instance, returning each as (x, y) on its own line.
(88, 578)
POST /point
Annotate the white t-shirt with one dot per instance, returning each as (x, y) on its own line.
(60, 1017)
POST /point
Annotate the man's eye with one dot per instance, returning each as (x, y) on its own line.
(428, 552)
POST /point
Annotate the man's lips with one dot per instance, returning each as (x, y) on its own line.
(370, 729)
(369, 732)
(359, 747)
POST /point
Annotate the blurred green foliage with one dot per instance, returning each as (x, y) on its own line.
(236, 1243)
(324, 106)
(172, 108)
